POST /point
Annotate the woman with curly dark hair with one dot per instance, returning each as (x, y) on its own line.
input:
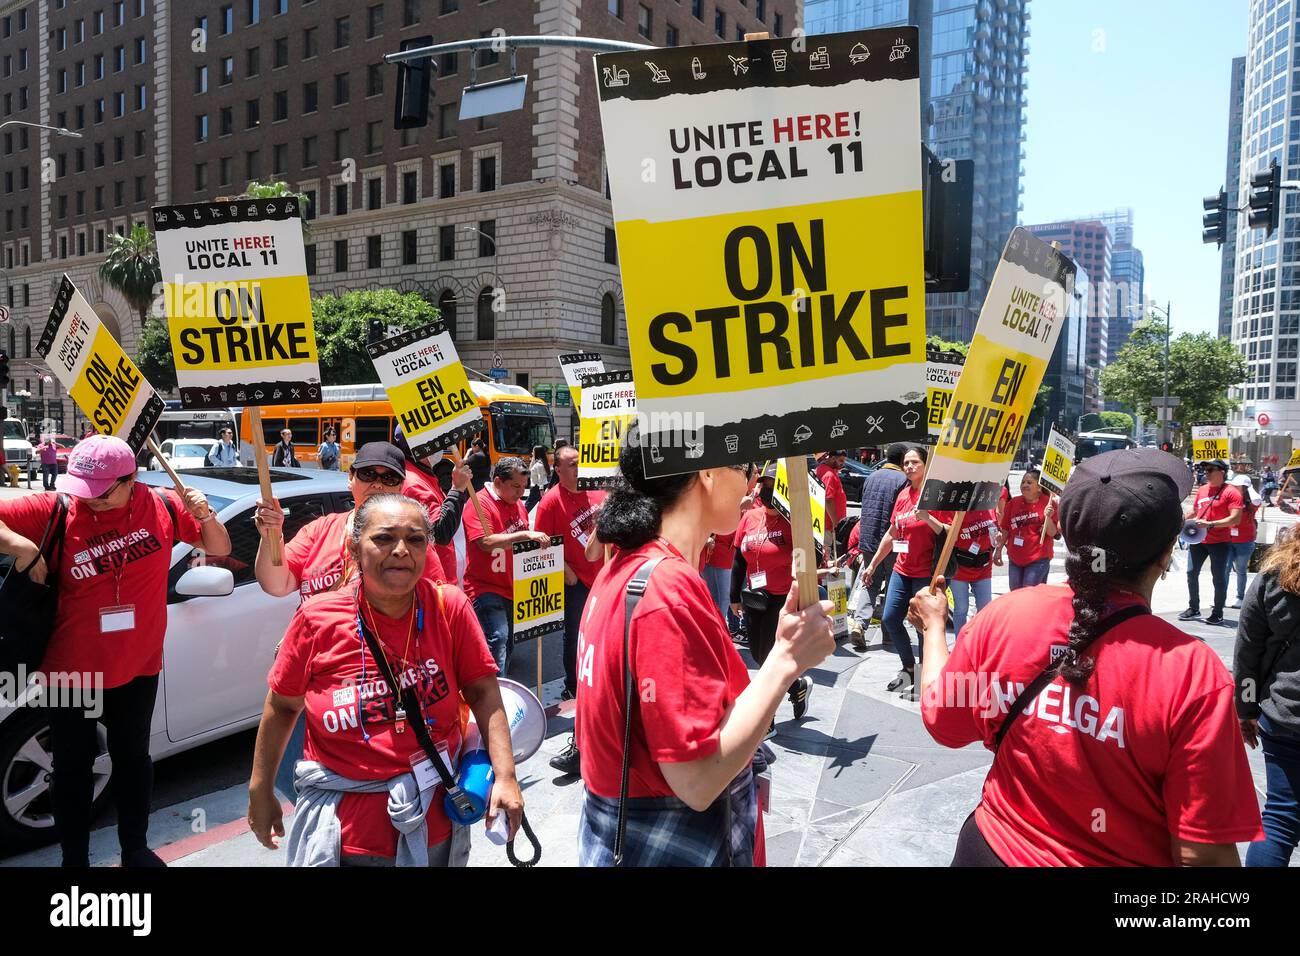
(1114, 733)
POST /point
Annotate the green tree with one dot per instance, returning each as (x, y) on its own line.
(943, 345)
(154, 357)
(274, 190)
(131, 267)
(1117, 422)
(342, 322)
(1202, 367)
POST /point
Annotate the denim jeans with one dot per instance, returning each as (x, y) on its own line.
(962, 592)
(575, 599)
(49, 475)
(1240, 559)
(901, 591)
(1219, 555)
(1028, 575)
(493, 612)
(718, 581)
(1281, 810)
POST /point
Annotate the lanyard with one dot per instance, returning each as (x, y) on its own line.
(1210, 503)
(362, 632)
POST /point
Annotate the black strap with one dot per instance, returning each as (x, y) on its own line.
(636, 589)
(171, 511)
(1050, 672)
(411, 703)
(52, 536)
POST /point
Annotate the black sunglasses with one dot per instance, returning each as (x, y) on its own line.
(368, 476)
(747, 469)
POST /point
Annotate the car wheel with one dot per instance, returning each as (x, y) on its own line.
(26, 813)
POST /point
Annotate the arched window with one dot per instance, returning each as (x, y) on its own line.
(447, 306)
(486, 317)
(608, 317)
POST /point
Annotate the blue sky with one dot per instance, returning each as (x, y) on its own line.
(1128, 106)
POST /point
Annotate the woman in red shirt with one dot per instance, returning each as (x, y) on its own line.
(1029, 550)
(681, 756)
(1115, 735)
(1242, 535)
(976, 539)
(911, 538)
(368, 793)
(761, 574)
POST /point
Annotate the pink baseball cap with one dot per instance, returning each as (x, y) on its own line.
(94, 464)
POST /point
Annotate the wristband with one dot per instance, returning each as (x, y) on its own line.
(209, 516)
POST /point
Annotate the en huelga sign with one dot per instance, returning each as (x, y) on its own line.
(238, 306)
(428, 388)
(99, 377)
(1058, 462)
(608, 411)
(1017, 330)
(767, 202)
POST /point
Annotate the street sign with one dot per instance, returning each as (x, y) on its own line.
(1173, 401)
(500, 374)
(543, 391)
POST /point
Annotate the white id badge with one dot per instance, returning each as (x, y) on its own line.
(974, 547)
(1233, 532)
(426, 776)
(758, 580)
(119, 618)
(583, 540)
(900, 547)
(1019, 542)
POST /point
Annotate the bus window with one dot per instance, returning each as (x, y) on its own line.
(371, 429)
(271, 428)
(304, 431)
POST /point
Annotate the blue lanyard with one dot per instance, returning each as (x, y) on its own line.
(361, 640)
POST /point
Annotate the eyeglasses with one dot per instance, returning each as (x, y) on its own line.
(368, 476)
(111, 488)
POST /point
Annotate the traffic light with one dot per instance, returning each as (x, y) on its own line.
(1265, 196)
(411, 105)
(4, 369)
(1167, 446)
(1214, 224)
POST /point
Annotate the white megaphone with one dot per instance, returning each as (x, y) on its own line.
(1192, 533)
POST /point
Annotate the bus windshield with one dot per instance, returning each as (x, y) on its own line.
(517, 427)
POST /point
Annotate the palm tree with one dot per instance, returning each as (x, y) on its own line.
(131, 268)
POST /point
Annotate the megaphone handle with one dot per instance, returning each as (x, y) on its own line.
(532, 838)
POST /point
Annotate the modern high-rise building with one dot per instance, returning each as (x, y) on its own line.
(1231, 176)
(1266, 298)
(503, 222)
(1127, 285)
(1088, 242)
(973, 101)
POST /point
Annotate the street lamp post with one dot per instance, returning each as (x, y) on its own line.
(1164, 388)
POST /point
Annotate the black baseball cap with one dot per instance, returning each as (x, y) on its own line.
(1129, 502)
(1218, 463)
(380, 453)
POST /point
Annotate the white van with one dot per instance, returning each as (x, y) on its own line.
(18, 450)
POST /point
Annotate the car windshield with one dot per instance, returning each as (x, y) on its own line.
(1088, 447)
(517, 427)
(190, 450)
(14, 429)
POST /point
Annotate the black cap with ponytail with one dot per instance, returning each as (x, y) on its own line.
(634, 508)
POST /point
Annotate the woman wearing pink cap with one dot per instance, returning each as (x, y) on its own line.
(111, 569)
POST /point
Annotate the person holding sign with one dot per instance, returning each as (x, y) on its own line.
(976, 541)
(1217, 508)
(1242, 537)
(445, 508)
(698, 715)
(761, 577)
(489, 572)
(828, 473)
(910, 539)
(111, 570)
(1115, 735)
(368, 792)
(1028, 526)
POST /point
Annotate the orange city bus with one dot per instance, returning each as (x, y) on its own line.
(514, 421)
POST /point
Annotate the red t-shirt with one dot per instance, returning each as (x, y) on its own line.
(572, 515)
(974, 537)
(763, 538)
(837, 503)
(321, 660)
(1023, 524)
(504, 519)
(318, 556)
(680, 647)
(1245, 532)
(724, 552)
(133, 542)
(426, 490)
(913, 538)
(1104, 777)
(1215, 506)
(855, 539)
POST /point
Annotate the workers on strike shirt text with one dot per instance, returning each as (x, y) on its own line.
(764, 541)
(975, 537)
(1215, 506)
(135, 542)
(913, 538)
(1023, 525)
(680, 647)
(1153, 732)
(425, 489)
(480, 576)
(572, 516)
(318, 556)
(321, 661)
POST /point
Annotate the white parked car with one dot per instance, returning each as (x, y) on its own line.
(183, 453)
(222, 630)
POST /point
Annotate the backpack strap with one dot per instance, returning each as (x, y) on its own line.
(171, 511)
(52, 537)
(1049, 673)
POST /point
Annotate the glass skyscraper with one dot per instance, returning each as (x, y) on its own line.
(974, 97)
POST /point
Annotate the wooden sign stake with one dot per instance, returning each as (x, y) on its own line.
(274, 540)
(796, 471)
(949, 542)
(473, 497)
(166, 465)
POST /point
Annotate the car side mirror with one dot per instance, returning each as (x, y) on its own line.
(206, 581)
